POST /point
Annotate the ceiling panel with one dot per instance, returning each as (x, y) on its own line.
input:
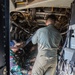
(48, 3)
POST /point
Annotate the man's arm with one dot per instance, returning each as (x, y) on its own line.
(14, 68)
(35, 37)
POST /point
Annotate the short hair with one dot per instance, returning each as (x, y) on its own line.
(52, 17)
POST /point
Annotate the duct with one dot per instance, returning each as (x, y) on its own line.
(45, 13)
(20, 27)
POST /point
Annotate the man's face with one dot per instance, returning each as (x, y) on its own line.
(14, 48)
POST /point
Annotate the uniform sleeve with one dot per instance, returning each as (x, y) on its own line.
(35, 37)
(14, 68)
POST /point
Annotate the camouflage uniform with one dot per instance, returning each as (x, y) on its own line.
(14, 68)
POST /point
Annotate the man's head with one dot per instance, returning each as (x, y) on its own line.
(50, 19)
(15, 46)
(14, 49)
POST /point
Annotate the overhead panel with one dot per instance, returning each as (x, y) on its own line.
(48, 3)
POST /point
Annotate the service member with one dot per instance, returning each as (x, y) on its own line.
(48, 40)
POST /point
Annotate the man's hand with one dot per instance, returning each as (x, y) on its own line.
(14, 49)
(19, 45)
(33, 48)
(24, 71)
(33, 60)
(29, 72)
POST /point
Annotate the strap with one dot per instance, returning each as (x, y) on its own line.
(62, 51)
(73, 60)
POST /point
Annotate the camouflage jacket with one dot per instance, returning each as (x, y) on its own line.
(15, 69)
